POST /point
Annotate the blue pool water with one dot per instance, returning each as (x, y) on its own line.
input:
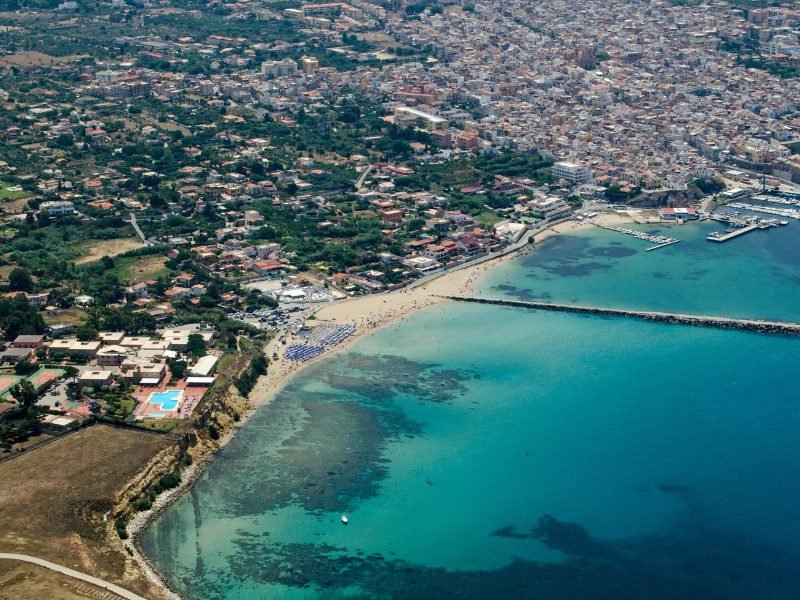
(168, 400)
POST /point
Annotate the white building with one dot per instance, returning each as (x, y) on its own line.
(423, 264)
(576, 172)
(57, 208)
(204, 367)
(549, 208)
(279, 68)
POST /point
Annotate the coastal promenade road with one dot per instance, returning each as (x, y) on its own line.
(119, 591)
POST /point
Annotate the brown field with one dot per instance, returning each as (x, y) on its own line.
(167, 126)
(34, 59)
(53, 499)
(22, 581)
(16, 205)
(96, 250)
(67, 316)
(142, 268)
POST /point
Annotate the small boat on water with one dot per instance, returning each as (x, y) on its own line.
(344, 519)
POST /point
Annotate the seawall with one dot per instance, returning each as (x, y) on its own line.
(754, 325)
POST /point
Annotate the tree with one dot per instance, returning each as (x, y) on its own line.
(25, 395)
(196, 345)
(71, 372)
(177, 368)
(19, 280)
(86, 333)
(25, 367)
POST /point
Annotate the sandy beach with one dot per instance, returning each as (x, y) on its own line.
(370, 313)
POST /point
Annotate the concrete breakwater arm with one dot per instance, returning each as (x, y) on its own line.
(758, 326)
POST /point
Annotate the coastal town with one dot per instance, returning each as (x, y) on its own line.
(198, 199)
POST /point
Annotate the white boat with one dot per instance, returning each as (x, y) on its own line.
(344, 519)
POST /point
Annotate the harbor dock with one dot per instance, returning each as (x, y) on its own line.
(659, 240)
(742, 226)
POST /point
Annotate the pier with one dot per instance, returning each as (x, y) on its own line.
(659, 240)
(743, 225)
(754, 325)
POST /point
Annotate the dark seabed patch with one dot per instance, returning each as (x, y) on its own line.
(331, 463)
(690, 563)
(567, 269)
(676, 489)
(522, 294)
(332, 456)
(379, 379)
(612, 251)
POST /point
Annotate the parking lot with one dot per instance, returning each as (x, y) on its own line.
(283, 318)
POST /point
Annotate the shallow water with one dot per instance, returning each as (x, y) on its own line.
(755, 275)
(489, 452)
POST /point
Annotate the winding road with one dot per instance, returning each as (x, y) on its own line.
(119, 591)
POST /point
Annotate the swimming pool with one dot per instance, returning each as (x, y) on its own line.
(168, 400)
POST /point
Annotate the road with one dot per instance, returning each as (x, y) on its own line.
(137, 230)
(362, 177)
(119, 591)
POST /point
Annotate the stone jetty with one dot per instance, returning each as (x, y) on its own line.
(758, 326)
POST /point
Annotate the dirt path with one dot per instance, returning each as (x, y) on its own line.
(119, 591)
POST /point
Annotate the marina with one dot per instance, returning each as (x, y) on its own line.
(660, 240)
(788, 200)
(791, 213)
(740, 225)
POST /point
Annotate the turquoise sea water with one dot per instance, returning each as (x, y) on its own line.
(489, 452)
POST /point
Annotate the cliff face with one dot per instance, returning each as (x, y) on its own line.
(196, 440)
(193, 445)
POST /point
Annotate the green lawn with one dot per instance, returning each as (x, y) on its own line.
(488, 219)
(8, 194)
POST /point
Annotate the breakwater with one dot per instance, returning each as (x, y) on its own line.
(754, 325)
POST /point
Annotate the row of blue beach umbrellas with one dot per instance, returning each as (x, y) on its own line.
(337, 335)
(303, 352)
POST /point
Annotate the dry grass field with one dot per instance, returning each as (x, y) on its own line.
(67, 316)
(97, 249)
(34, 59)
(22, 581)
(53, 499)
(141, 268)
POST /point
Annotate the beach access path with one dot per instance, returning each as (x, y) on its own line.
(119, 591)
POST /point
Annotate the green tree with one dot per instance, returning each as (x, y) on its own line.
(196, 345)
(25, 367)
(71, 372)
(86, 333)
(177, 368)
(25, 395)
(20, 280)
